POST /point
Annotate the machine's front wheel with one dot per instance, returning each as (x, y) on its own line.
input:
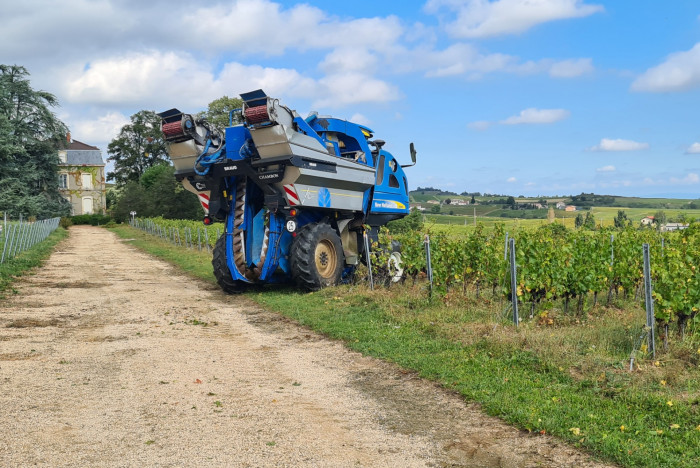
(222, 272)
(316, 257)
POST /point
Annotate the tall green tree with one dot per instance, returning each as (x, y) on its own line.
(30, 136)
(157, 193)
(621, 220)
(659, 219)
(139, 145)
(218, 111)
(589, 221)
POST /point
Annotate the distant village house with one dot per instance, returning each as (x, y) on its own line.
(647, 221)
(673, 227)
(81, 178)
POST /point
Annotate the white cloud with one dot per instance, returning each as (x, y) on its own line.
(693, 149)
(103, 128)
(571, 68)
(484, 18)
(466, 59)
(680, 72)
(360, 119)
(606, 169)
(349, 88)
(158, 79)
(607, 144)
(480, 125)
(690, 179)
(511, 180)
(268, 28)
(537, 116)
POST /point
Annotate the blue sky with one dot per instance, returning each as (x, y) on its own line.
(522, 97)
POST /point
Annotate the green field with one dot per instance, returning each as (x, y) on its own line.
(489, 214)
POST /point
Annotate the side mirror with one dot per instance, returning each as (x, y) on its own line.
(412, 149)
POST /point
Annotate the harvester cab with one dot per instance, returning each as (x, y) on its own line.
(295, 193)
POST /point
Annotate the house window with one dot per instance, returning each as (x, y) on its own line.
(86, 180)
(62, 180)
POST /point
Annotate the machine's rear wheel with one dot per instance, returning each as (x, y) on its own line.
(221, 270)
(395, 267)
(316, 257)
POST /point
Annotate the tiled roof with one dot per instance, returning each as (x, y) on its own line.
(84, 158)
(82, 154)
(79, 145)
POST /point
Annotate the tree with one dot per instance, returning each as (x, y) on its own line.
(411, 223)
(511, 202)
(218, 111)
(589, 221)
(659, 218)
(157, 193)
(448, 201)
(435, 209)
(578, 222)
(138, 146)
(30, 136)
(621, 220)
(473, 200)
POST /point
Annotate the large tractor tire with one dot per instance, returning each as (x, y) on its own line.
(316, 257)
(222, 272)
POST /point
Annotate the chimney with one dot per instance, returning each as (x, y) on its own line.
(68, 138)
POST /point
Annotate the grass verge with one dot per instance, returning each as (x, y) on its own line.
(23, 263)
(559, 375)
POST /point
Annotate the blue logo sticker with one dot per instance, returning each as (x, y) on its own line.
(324, 198)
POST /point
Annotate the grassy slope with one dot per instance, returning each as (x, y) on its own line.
(567, 377)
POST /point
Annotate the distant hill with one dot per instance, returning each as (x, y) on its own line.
(583, 200)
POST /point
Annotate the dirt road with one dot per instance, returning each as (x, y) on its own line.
(109, 357)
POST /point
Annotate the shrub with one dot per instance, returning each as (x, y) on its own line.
(92, 219)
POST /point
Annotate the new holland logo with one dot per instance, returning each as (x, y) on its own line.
(389, 204)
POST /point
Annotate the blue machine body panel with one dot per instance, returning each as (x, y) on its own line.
(264, 239)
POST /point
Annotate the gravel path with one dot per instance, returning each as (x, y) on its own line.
(109, 357)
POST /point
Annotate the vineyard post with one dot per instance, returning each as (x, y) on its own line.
(18, 238)
(505, 248)
(4, 247)
(649, 301)
(4, 228)
(513, 282)
(428, 263)
(206, 238)
(368, 259)
(179, 241)
(612, 251)
(662, 247)
(199, 239)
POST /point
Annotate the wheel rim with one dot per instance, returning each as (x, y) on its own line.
(326, 259)
(395, 266)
